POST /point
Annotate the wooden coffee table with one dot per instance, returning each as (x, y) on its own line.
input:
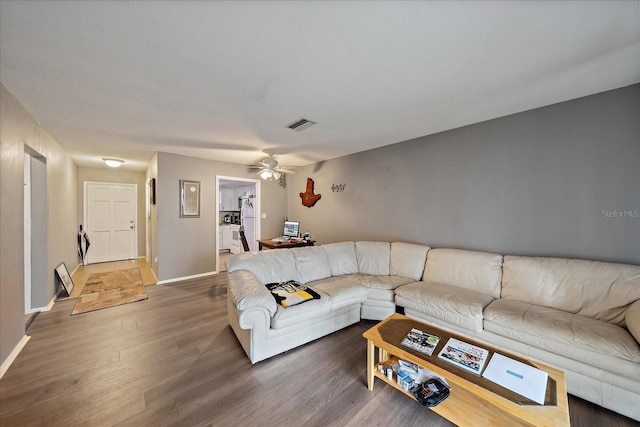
(474, 400)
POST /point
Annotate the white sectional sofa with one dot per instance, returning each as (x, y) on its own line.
(580, 316)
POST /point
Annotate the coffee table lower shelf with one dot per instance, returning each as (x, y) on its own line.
(393, 383)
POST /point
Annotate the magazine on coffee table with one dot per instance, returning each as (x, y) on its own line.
(421, 341)
(466, 356)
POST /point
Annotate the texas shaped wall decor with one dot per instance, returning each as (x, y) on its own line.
(308, 198)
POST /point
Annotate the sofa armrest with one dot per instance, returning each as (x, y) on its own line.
(632, 319)
(246, 291)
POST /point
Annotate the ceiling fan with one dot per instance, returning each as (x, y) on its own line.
(269, 169)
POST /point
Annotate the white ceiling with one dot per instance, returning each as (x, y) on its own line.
(221, 80)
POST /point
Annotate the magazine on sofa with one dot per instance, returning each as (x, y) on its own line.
(464, 355)
(421, 341)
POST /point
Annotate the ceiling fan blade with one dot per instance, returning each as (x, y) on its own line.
(283, 170)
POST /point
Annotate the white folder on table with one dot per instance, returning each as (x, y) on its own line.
(518, 377)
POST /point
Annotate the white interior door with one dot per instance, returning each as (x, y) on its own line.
(110, 213)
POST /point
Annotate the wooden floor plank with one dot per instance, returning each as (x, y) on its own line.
(173, 360)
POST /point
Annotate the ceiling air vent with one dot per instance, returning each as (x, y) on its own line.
(301, 124)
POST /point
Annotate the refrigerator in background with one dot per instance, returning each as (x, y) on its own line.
(248, 220)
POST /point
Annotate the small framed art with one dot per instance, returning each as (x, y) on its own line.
(64, 277)
(189, 199)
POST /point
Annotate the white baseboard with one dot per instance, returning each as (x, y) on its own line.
(12, 356)
(180, 279)
(47, 307)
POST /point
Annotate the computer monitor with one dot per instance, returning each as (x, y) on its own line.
(291, 229)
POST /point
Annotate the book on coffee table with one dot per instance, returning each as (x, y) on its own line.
(421, 341)
(464, 355)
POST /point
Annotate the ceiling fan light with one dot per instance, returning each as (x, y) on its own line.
(113, 163)
(266, 174)
(276, 175)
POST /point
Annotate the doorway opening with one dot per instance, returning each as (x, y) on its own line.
(36, 275)
(238, 205)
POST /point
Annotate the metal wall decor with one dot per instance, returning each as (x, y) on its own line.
(308, 198)
(338, 188)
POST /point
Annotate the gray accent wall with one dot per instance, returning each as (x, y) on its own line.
(19, 131)
(562, 180)
(187, 246)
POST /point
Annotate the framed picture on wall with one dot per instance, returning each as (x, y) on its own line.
(189, 199)
(64, 277)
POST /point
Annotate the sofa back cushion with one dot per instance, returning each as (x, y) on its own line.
(407, 260)
(373, 258)
(268, 266)
(477, 271)
(342, 258)
(312, 263)
(599, 290)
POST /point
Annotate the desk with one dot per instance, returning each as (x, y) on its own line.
(270, 244)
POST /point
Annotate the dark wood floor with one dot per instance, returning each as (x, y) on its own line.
(173, 360)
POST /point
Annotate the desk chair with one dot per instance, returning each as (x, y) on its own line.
(243, 239)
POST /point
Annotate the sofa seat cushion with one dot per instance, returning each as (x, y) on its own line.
(344, 291)
(569, 335)
(382, 282)
(291, 316)
(375, 294)
(452, 304)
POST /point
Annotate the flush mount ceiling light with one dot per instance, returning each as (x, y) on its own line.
(113, 163)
